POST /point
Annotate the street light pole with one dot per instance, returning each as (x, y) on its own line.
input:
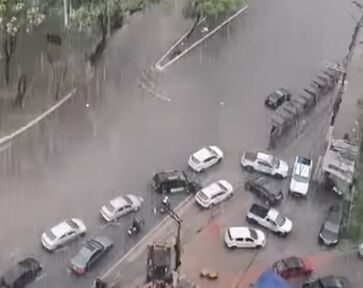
(65, 8)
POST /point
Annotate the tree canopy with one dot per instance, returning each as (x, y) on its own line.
(211, 8)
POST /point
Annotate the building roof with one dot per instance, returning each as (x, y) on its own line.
(339, 159)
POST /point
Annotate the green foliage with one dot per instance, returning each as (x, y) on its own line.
(90, 15)
(211, 8)
(17, 15)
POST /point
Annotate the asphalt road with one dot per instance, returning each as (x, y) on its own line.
(81, 158)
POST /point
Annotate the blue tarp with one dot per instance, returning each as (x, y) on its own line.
(270, 279)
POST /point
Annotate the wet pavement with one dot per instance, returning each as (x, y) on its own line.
(72, 164)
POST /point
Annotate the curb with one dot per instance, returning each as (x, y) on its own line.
(195, 44)
(16, 133)
(142, 244)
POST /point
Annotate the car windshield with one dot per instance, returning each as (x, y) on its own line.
(128, 200)
(275, 162)
(211, 151)
(280, 220)
(51, 235)
(195, 160)
(110, 207)
(222, 187)
(202, 195)
(301, 179)
(73, 224)
(331, 227)
(253, 234)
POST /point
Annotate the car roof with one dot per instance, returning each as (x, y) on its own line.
(335, 214)
(204, 153)
(237, 232)
(212, 189)
(264, 156)
(170, 175)
(62, 228)
(301, 169)
(331, 282)
(13, 274)
(118, 202)
(293, 262)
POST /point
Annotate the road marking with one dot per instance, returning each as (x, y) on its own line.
(10, 137)
(153, 92)
(195, 44)
(144, 239)
(157, 65)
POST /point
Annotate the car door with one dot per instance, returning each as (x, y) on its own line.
(240, 242)
(71, 235)
(218, 197)
(127, 209)
(249, 242)
(62, 240)
(271, 224)
(97, 254)
(120, 212)
(264, 166)
(210, 161)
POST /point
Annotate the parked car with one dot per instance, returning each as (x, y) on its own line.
(330, 230)
(63, 233)
(172, 181)
(300, 178)
(121, 206)
(292, 267)
(265, 189)
(277, 98)
(264, 163)
(360, 250)
(89, 254)
(214, 193)
(328, 282)
(205, 158)
(22, 274)
(244, 237)
(270, 219)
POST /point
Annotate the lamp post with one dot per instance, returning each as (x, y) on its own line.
(177, 246)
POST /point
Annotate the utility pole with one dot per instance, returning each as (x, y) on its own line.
(108, 19)
(65, 7)
(177, 246)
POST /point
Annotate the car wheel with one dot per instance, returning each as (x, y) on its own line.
(251, 221)
(249, 168)
(279, 176)
(211, 206)
(82, 234)
(247, 186)
(258, 246)
(230, 196)
(282, 234)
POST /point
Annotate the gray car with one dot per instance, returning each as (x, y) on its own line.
(89, 254)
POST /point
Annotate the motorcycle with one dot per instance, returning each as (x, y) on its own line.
(135, 229)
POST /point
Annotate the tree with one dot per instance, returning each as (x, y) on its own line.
(16, 16)
(93, 15)
(211, 8)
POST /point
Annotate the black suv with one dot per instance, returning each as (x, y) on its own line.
(277, 98)
(328, 282)
(265, 189)
(23, 273)
(172, 181)
(330, 230)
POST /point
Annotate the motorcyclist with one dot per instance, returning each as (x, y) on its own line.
(166, 201)
(135, 224)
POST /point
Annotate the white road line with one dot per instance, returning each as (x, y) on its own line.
(195, 44)
(144, 240)
(157, 65)
(10, 137)
(153, 92)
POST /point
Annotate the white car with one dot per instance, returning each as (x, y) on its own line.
(205, 158)
(214, 193)
(121, 206)
(300, 178)
(360, 250)
(265, 163)
(244, 237)
(63, 233)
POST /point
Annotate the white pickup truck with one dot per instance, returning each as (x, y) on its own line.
(264, 163)
(270, 219)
